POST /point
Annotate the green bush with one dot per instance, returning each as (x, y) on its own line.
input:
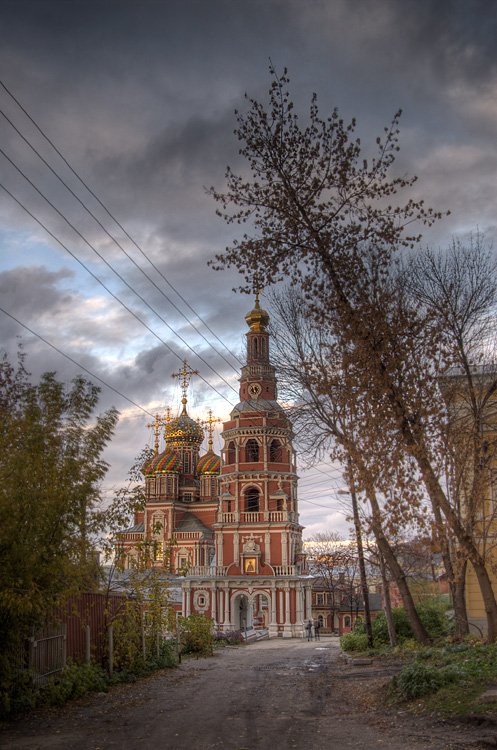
(431, 614)
(74, 681)
(197, 636)
(419, 679)
(354, 642)
(401, 623)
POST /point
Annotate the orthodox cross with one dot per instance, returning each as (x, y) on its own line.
(156, 425)
(184, 376)
(209, 426)
(166, 419)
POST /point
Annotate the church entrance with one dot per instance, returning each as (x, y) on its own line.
(242, 612)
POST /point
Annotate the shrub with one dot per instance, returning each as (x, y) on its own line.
(401, 623)
(229, 638)
(419, 679)
(74, 681)
(354, 642)
(196, 635)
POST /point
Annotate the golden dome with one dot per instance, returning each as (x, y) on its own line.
(257, 319)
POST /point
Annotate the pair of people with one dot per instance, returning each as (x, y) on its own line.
(308, 628)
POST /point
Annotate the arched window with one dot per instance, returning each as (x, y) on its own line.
(275, 451)
(252, 500)
(231, 453)
(252, 450)
(346, 621)
(213, 487)
(255, 347)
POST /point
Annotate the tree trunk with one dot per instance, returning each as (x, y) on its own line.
(392, 635)
(459, 601)
(396, 572)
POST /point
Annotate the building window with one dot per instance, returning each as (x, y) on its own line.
(252, 500)
(213, 487)
(319, 600)
(275, 452)
(346, 621)
(186, 463)
(231, 453)
(252, 450)
(187, 497)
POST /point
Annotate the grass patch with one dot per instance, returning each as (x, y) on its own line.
(448, 680)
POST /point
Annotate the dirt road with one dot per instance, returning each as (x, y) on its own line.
(265, 696)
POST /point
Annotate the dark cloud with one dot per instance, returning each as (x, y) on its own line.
(139, 96)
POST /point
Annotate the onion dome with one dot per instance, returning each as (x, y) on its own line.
(184, 431)
(165, 463)
(257, 319)
(210, 463)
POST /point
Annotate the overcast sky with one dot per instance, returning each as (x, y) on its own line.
(139, 97)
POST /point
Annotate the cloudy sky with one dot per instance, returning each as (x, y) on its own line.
(138, 96)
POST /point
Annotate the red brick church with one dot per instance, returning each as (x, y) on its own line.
(230, 525)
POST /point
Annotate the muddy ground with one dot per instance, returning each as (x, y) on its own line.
(265, 696)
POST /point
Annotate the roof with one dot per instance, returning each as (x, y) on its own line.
(259, 405)
(137, 528)
(189, 522)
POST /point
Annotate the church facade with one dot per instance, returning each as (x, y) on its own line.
(230, 525)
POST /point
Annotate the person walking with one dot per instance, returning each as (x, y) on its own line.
(308, 629)
(317, 626)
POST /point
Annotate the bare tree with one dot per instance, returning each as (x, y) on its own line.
(334, 223)
(330, 420)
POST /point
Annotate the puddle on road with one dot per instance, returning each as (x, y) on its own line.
(321, 648)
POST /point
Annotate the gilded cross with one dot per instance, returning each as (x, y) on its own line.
(156, 425)
(209, 425)
(184, 376)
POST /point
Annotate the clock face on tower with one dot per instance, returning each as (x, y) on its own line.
(254, 390)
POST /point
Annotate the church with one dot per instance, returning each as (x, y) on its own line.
(227, 527)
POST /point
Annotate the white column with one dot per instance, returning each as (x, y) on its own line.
(227, 621)
(273, 622)
(214, 604)
(236, 548)
(267, 547)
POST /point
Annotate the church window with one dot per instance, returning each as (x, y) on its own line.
(187, 497)
(252, 500)
(170, 486)
(262, 346)
(279, 503)
(255, 347)
(275, 451)
(186, 463)
(231, 455)
(252, 450)
(213, 487)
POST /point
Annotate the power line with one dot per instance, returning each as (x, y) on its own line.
(95, 218)
(78, 364)
(49, 232)
(30, 182)
(118, 224)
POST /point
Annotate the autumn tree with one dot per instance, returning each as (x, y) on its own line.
(331, 421)
(51, 444)
(333, 223)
